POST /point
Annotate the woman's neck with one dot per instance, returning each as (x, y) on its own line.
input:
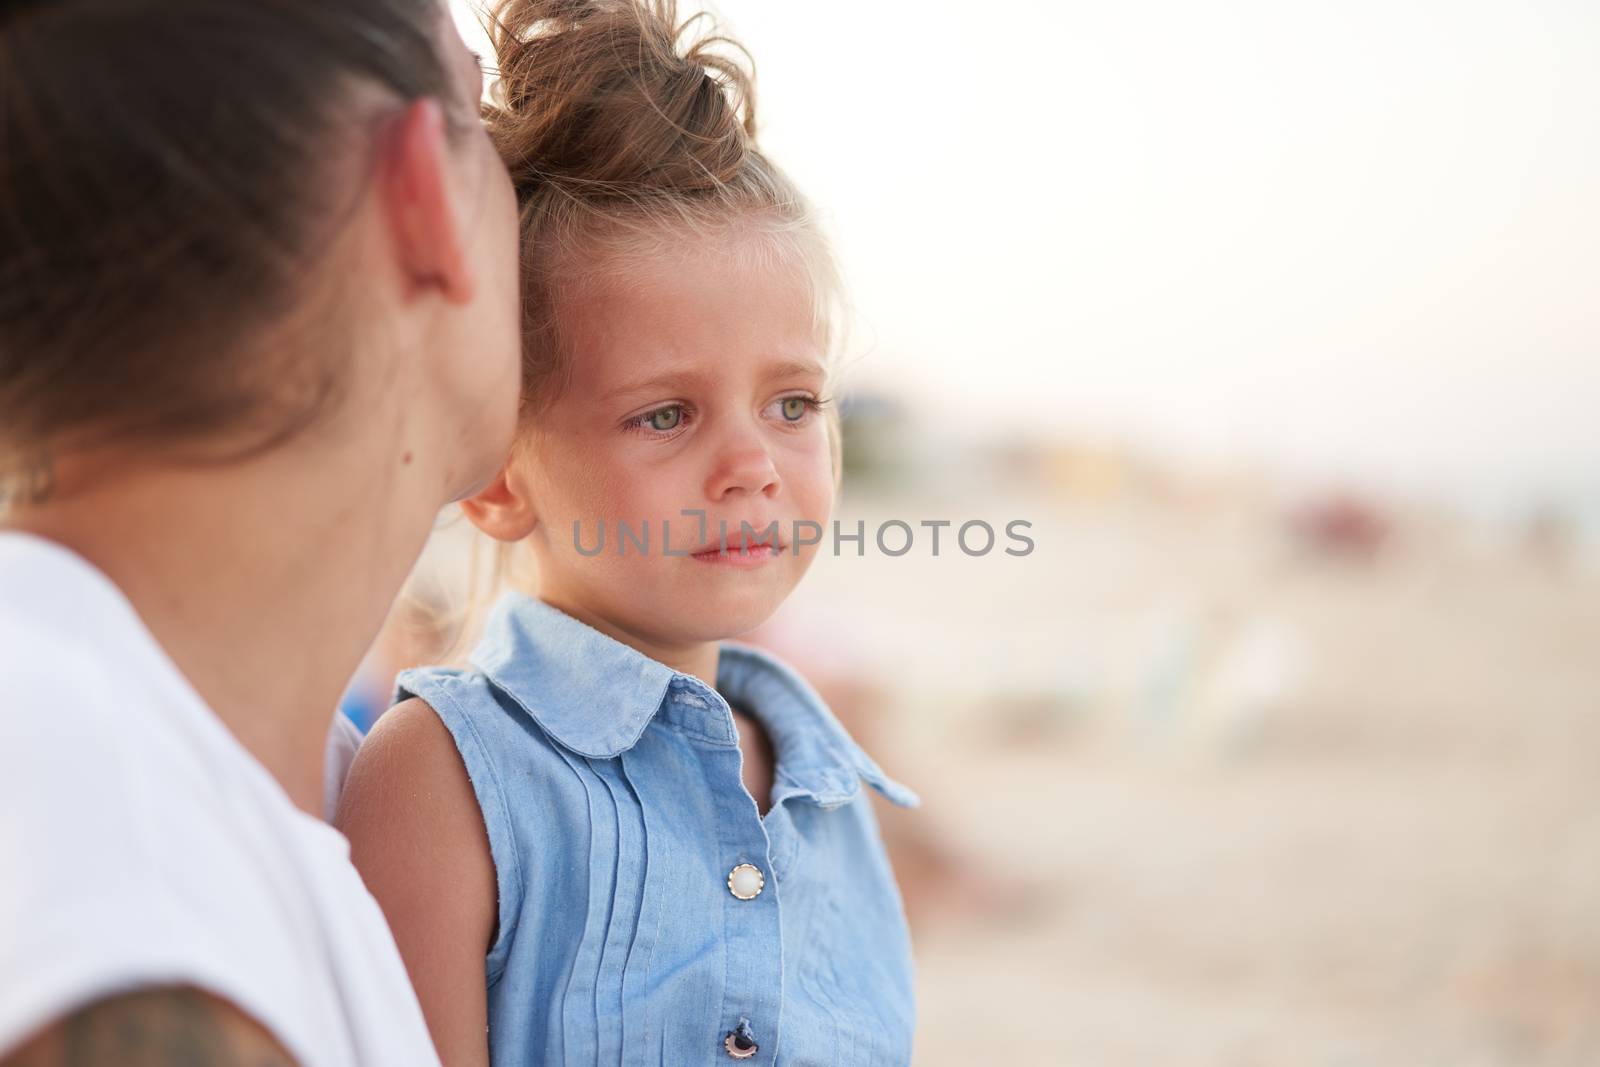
(264, 581)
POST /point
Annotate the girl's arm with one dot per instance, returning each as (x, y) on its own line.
(417, 837)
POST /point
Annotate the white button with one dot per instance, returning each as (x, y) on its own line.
(746, 881)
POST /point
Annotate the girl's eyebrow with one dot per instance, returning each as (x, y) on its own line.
(676, 379)
(684, 379)
(793, 368)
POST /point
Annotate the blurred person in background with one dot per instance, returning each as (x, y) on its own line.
(258, 323)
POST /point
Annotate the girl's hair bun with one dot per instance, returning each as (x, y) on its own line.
(605, 99)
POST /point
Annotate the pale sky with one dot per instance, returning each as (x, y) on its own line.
(1357, 237)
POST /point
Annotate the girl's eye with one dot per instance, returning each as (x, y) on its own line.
(797, 408)
(664, 419)
(661, 420)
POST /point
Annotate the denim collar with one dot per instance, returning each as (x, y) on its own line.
(595, 696)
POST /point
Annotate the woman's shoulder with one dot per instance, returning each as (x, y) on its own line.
(117, 766)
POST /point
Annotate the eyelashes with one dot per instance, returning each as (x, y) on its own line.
(812, 405)
(667, 420)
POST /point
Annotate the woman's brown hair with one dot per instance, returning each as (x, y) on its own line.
(169, 170)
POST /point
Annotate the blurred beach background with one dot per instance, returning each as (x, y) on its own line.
(1280, 324)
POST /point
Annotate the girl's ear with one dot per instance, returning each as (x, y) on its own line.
(504, 509)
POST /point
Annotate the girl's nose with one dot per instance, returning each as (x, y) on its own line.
(743, 465)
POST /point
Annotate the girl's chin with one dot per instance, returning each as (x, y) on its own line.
(715, 615)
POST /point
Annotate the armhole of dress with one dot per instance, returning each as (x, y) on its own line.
(484, 776)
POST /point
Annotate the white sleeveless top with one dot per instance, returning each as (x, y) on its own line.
(142, 845)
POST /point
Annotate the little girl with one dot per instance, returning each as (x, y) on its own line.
(617, 837)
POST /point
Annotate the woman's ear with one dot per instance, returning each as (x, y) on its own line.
(504, 509)
(416, 185)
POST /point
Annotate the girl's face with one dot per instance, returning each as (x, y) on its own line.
(696, 384)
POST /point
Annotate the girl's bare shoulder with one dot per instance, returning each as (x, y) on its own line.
(412, 819)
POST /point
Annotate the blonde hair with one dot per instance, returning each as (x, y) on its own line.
(625, 130)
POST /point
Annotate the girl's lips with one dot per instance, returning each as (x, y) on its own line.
(736, 556)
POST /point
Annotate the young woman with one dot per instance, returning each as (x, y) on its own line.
(259, 320)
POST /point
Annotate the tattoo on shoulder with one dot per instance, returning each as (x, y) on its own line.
(157, 1028)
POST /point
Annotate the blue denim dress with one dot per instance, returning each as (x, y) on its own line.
(648, 913)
